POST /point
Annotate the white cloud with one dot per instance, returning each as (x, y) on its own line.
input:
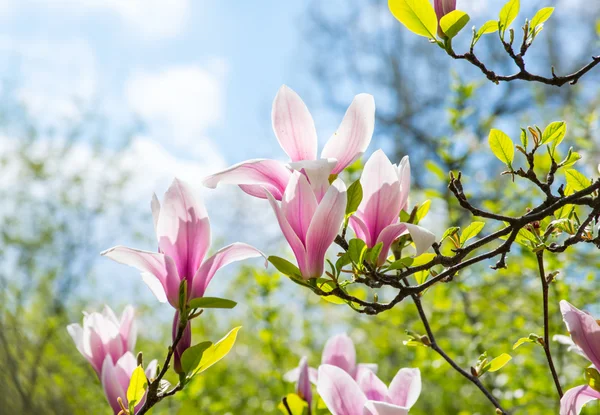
(179, 103)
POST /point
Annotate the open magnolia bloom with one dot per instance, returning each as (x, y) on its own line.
(183, 232)
(338, 351)
(116, 376)
(585, 333)
(369, 396)
(103, 335)
(310, 226)
(295, 130)
(385, 193)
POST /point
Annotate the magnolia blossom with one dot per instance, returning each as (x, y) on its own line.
(308, 225)
(303, 388)
(585, 333)
(103, 335)
(183, 233)
(339, 351)
(385, 194)
(295, 130)
(369, 395)
(116, 376)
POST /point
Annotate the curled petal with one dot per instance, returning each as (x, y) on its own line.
(339, 391)
(422, 238)
(387, 236)
(152, 264)
(574, 399)
(339, 351)
(324, 227)
(183, 228)
(224, 256)
(293, 125)
(405, 387)
(253, 176)
(584, 330)
(353, 135)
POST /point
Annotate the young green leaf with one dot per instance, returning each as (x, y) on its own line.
(423, 259)
(471, 231)
(355, 195)
(374, 253)
(215, 352)
(576, 180)
(491, 26)
(453, 22)
(422, 210)
(191, 357)
(502, 147)
(508, 14)
(449, 232)
(521, 341)
(356, 251)
(554, 132)
(284, 266)
(137, 386)
(417, 15)
(435, 169)
(540, 17)
(211, 302)
(498, 362)
(401, 263)
(326, 285)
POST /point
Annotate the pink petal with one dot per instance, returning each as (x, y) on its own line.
(584, 330)
(289, 234)
(384, 408)
(443, 7)
(405, 387)
(128, 328)
(381, 201)
(373, 388)
(361, 229)
(404, 178)
(224, 256)
(161, 267)
(388, 235)
(299, 205)
(354, 134)
(183, 229)
(574, 399)
(155, 207)
(303, 387)
(112, 387)
(317, 172)
(339, 351)
(421, 237)
(151, 369)
(340, 392)
(253, 176)
(293, 125)
(324, 227)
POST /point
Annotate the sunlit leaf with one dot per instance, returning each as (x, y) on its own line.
(211, 302)
(417, 15)
(554, 132)
(453, 22)
(498, 362)
(471, 231)
(491, 26)
(216, 352)
(540, 17)
(502, 146)
(285, 267)
(435, 169)
(422, 211)
(191, 357)
(356, 251)
(327, 285)
(508, 14)
(576, 180)
(295, 403)
(354, 195)
(401, 263)
(593, 378)
(137, 386)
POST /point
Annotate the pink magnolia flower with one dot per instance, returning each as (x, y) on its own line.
(585, 332)
(295, 130)
(303, 388)
(308, 225)
(385, 194)
(103, 335)
(339, 351)
(116, 376)
(183, 232)
(369, 396)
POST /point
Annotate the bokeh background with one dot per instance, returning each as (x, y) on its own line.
(103, 102)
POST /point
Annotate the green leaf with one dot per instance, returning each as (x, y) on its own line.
(355, 195)
(449, 232)
(524, 138)
(421, 276)
(554, 132)
(498, 362)
(593, 378)
(216, 352)
(191, 357)
(508, 14)
(401, 263)
(453, 22)
(576, 180)
(435, 169)
(423, 259)
(295, 403)
(342, 261)
(540, 17)
(374, 253)
(471, 231)
(137, 386)
(572, 158)
(491, 26)
(521, 341)
(211, 302)
(356, 251)
(285, 267)
(327, 286)
(422, 211)
(417, 15)
(502, 147)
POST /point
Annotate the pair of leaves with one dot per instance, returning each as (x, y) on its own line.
(200, 357)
